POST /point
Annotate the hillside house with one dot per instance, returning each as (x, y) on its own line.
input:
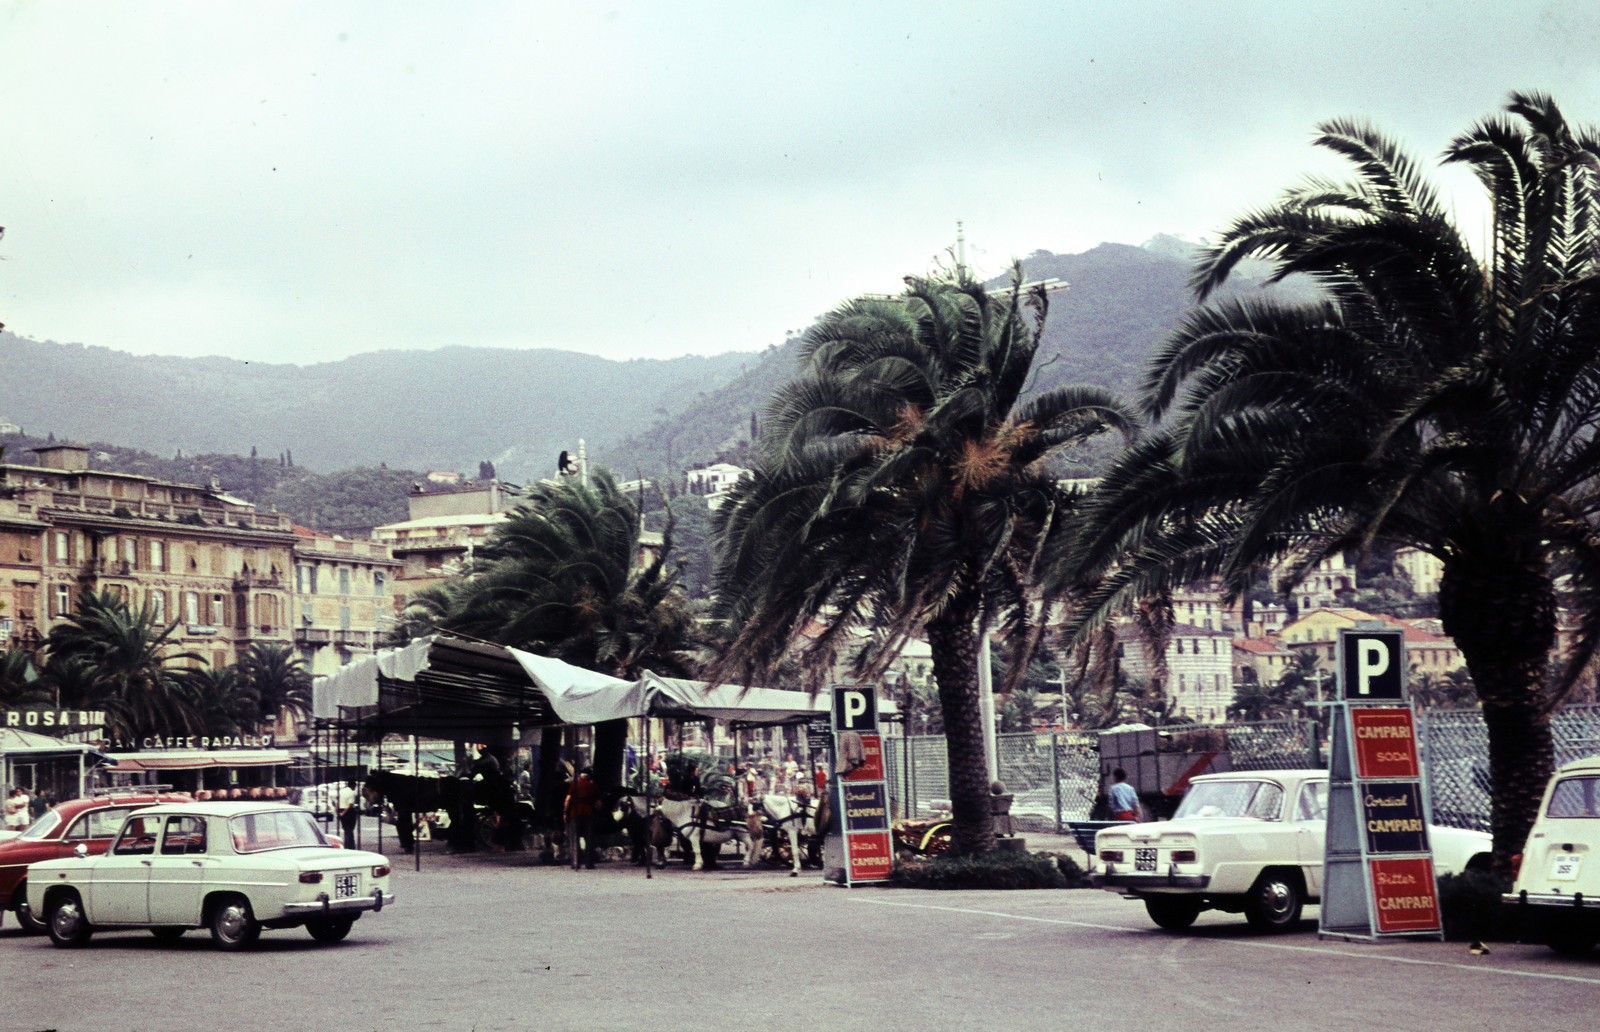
(713, 482)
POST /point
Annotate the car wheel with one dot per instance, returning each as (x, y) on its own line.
(65, 921)
(30, 925)
(1571, 940)
(1275, 902)
(1172, 914)
(233, 925)
(330, 930)
(168, 933)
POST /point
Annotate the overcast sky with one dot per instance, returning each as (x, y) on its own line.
(290, 183)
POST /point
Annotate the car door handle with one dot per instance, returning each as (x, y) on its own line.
(147, 863)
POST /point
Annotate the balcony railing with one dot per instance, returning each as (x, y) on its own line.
(360, 639)
(313, 635)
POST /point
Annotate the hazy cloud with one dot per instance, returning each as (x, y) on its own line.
(300, 183)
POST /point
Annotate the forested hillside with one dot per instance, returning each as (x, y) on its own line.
(444, 409)
(1122, 301)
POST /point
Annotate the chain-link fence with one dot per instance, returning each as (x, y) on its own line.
(1455, 747)
(1055, 776)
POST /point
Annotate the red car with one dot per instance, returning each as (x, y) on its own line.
(92, 821)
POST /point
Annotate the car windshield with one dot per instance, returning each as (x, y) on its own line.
(275, 829)
(1262, 800)
(1575, 797)
(43, 826)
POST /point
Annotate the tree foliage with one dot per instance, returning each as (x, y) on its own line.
(1433, 398)
(901, 490)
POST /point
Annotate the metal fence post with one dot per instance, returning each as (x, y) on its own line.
(1055, 773)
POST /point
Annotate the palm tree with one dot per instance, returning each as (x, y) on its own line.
(1433, 398)
(278, 678)
(225, 701)
(104, 656)
(903, 488)
(19, 680)
(563, 576)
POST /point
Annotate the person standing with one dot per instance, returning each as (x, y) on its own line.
(1122, 800)
(580, 817)
(17, 810)
(349, 814)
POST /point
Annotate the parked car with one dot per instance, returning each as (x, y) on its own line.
(1555, 881)
(91, 821)
(1248, 842)
(233, 868)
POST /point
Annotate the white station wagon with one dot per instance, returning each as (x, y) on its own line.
(233, 868)
(1249, 841)
(1558, 886)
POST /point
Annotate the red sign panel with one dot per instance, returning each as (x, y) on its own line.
(871, 858)
(1386, 742)
(1406, 895)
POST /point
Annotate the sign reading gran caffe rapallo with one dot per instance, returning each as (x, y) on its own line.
(53, 719)
(153, 742)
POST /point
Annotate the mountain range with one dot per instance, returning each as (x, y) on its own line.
(383, 415)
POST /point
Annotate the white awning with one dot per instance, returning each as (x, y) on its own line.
(357, 683)
(198, 759)
(582, 696)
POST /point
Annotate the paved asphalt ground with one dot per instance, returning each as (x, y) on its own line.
(497, 942)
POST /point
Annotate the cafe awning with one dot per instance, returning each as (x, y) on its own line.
(200, 759)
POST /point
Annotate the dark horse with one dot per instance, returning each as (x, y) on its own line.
(459, 797)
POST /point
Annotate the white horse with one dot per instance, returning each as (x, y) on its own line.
(697, 823)
(792, 816)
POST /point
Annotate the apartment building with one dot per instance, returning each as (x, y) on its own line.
(192, 554)
(343, 598)
(448, 522)
(1199, 668)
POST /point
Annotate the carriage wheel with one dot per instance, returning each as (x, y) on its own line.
(488, 828)
(777, 851)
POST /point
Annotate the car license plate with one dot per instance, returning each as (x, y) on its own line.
(1144, 859)
(345, 885)
(1564, 866)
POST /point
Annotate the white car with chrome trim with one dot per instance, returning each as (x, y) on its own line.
(1558, 886)
(1247, 841)
(233, 868)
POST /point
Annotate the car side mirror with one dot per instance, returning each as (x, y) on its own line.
(80, 851)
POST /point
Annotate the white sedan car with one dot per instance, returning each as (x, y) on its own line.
(1556, 883)
(1249, 841)
(233, 868)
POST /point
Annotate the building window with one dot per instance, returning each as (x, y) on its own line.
(156, 599)
(344, 618)
(344, 580)
(219, 611)
(63, 606)
(63, 549)
(158, 556)
(191, 607)
(130, 552)
(1179, 642)
(305, 614)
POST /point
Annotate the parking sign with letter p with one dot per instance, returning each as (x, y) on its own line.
(1372, 665)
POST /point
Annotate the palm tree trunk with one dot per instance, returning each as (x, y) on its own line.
(953, 641)
(1501, 614)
